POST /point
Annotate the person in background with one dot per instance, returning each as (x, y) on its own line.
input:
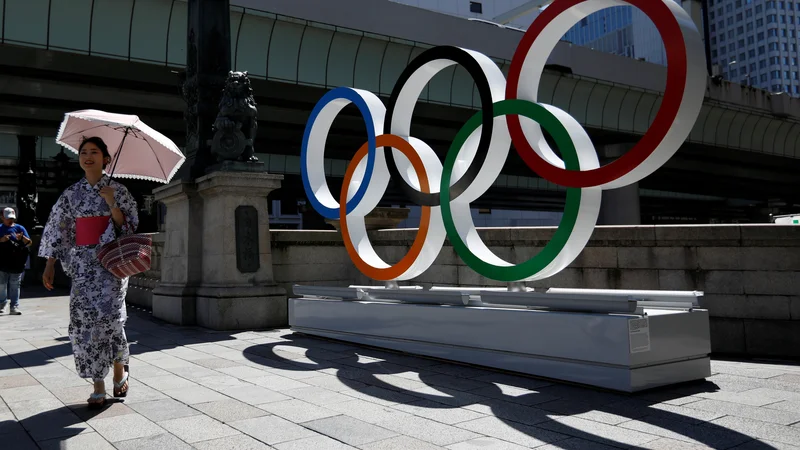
(14, 244)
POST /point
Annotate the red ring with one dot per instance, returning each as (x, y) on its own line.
(675, 45)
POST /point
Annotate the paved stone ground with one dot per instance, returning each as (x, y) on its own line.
(274, 389)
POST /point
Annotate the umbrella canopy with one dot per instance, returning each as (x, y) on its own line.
(137, 150)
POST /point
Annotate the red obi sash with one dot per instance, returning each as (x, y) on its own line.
(89, 229)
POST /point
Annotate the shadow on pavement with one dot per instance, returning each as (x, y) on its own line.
(49, 419)
(506, 396)
(38, 291)
(540, 409)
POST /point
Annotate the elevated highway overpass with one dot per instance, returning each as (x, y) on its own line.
(126, 55)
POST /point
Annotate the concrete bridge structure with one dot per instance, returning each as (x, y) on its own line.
(125, 55)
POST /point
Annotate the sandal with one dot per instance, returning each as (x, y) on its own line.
(94, 403)
(118, 385)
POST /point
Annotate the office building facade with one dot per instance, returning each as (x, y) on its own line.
(754, 42)
(609, 30)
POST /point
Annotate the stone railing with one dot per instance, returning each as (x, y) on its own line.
(750, 274)
(140, 287)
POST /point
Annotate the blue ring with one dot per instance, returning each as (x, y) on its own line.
(353, 96)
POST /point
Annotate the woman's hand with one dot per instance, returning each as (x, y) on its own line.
(49, 274)
(5, 238)
(108, 195)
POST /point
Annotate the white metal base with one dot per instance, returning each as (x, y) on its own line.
(629, 351)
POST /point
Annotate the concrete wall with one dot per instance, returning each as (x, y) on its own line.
(750, 273)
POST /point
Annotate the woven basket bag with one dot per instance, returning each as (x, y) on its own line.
(127, 255)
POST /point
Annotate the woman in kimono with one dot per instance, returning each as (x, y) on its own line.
(89, 214)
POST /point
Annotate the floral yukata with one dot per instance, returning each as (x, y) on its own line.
(97, 299)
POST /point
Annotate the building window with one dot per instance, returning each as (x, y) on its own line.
(476, 7)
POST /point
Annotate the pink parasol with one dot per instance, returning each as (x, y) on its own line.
(137, 150)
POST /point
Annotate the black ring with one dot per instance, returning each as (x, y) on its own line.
(465, 60)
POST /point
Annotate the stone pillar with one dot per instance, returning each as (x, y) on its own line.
(27, 201)
(181, 261)
(27, 190)
(238, 289)
(619, 206)
(208, 60)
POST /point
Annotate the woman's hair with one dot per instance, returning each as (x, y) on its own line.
(96, 140)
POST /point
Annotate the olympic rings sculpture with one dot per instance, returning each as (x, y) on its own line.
(445, 190)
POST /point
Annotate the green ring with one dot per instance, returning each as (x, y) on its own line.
(564, 143)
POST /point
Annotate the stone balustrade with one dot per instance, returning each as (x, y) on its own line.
(140, 287)
(750, 274)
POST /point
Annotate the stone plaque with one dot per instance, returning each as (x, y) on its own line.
(247, 251)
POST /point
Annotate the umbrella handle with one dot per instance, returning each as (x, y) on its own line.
(119, 151)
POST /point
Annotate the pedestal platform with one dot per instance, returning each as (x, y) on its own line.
(217, 264)
(628, 347)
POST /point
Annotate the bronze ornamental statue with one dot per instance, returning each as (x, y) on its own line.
(237, 121)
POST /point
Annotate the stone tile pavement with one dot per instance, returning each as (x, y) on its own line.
(192, 388)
